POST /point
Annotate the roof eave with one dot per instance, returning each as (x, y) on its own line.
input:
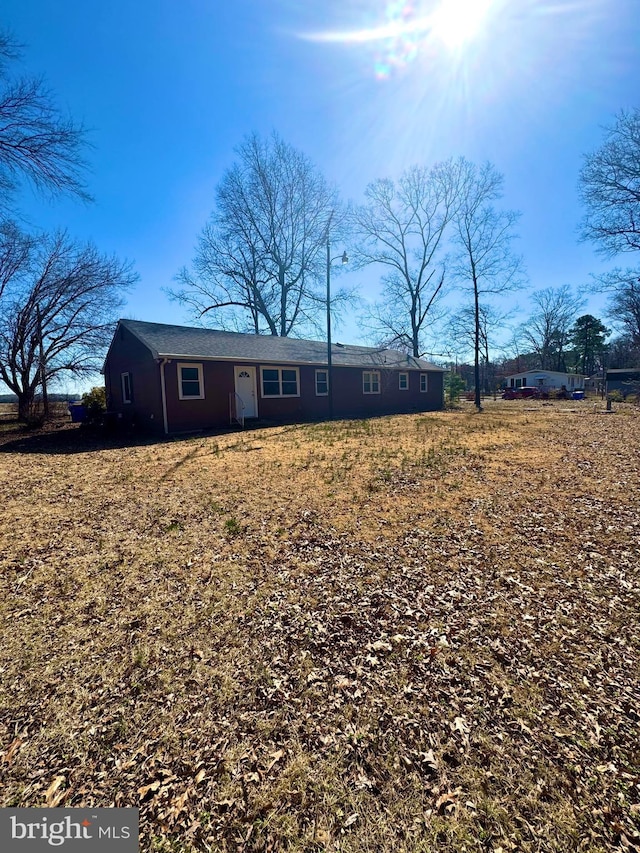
(273, 360)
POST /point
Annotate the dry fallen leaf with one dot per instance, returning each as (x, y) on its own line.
(50, 797)
(275, 757)
(146, 789)
(14, 747)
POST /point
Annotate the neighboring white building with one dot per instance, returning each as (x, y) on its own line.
(548, 380)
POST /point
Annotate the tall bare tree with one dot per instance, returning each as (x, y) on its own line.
(15, 253)
(37, 143)
(624, 304)
(609, 185)
(460, 336)
(57, 314)
(484, 264)
(401, 227)
(260, 260)
(623, 352)
(548, 329)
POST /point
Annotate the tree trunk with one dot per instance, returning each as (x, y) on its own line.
(283, 303)
(415, 332)
(476, 365)
(25, 406)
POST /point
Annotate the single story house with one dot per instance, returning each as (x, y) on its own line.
(625, 380)
(547, 380)
(178, 379)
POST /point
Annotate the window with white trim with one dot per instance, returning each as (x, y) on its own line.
(322, 383)
(370, 381)
(127, 388)
(190, 382)
(424, 383)
(403, 381)
(280, 381)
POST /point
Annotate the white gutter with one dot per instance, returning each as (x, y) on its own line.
(164, 396)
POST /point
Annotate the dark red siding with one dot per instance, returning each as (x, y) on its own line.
(128, 355)
(213, 411)
(348, 397)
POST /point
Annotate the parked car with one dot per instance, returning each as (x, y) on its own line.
(526, 391)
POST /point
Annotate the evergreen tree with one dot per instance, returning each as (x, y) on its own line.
(588, 339)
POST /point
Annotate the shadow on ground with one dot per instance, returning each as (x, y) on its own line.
(75, 438)
(67, 438)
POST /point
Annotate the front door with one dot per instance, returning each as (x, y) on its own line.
(245, 378)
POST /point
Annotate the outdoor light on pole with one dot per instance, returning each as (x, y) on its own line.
(344, 260)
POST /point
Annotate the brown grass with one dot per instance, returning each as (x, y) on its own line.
(413, 633)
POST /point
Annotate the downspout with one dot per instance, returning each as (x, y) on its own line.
(164, 396)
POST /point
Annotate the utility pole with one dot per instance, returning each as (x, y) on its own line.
(329, 364)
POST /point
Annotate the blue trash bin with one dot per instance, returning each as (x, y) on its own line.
(78, 412)
(578, 395)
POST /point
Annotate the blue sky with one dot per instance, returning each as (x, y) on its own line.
(169, 88)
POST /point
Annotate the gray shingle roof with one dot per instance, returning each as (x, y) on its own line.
(186, 342)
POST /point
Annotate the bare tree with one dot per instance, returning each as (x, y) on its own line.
(401, 227)
(623, 352)
(228, 278)
(15, 252)
(260, 260)
(610, 189)
(36, 142)
(57, 314)
(484, 264)
(461, 336)
(624, 304)
(547, 330)
(609, 185)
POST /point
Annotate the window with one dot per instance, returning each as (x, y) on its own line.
(190, 382)
(279, 381)
(424, 383)
(370, 382)
(322, 383)
(127, 388)
(403, 381)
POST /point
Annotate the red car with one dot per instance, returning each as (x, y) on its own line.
(524, 392)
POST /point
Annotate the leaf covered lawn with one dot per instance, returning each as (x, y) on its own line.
(413, 633)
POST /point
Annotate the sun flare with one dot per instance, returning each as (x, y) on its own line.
(454, 22)
(451, 24)
(457, 22)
